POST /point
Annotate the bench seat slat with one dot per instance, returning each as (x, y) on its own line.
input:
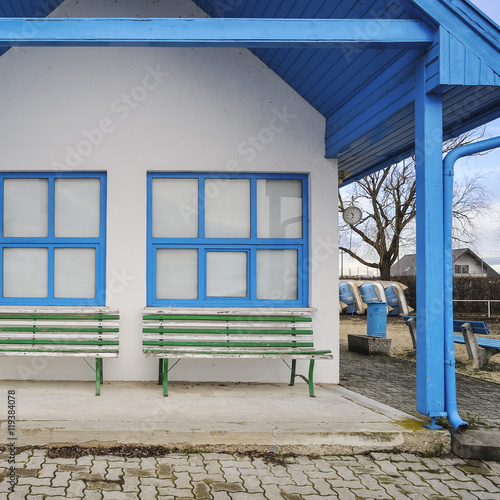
(243, 354)
(216, 349)
(481, 341)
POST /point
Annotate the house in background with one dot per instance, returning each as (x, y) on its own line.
(465, 263)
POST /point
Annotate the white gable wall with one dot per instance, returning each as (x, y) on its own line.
(475, 267)
(128, 111)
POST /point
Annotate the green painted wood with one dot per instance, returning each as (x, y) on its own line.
(226, 331)
(90, 353)
(160, 372)
(212, 317)
(51, 329)
(241, 353)
(58, 341)
(310, 380)
(227, 344)
(293, 372)
(98, 367)
(165, 377)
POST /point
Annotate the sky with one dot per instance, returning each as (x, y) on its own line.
(487, 245)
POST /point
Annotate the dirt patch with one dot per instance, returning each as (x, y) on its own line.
(401, 345)
(127, 451)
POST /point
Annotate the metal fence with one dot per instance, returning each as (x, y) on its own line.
(480, 300)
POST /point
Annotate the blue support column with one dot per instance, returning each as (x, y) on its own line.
(430, 251)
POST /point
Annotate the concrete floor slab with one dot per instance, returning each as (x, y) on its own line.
(212, 417)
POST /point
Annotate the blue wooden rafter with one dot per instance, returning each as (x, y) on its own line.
(327, 33)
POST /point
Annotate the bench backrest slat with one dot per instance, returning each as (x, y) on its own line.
(478, 327)
(225, 318)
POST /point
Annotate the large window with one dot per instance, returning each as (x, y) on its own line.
(53, 237)
(224, 239)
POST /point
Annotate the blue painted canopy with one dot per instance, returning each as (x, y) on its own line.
(367, 94)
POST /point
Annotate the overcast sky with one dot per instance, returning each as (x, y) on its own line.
(488, 244)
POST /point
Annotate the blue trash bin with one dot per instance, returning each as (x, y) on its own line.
(376, 324)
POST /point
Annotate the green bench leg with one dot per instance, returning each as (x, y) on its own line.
(309, 381)
(292, 376)
(165, 377)
(98, 376)
(311, 377)
(160, 371)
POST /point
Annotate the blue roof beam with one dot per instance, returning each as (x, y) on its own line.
(252, 33)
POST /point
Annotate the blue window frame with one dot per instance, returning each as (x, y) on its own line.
(227, 240)
(53, 238)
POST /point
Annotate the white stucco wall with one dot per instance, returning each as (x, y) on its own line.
(158, 109)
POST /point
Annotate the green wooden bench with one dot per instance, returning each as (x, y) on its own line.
(59, 333)
(479, 349)
(281, 335)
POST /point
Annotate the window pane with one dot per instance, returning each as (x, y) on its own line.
(175, 208)
(227, 208)
(226, 274)
(74, 273)
(25, 208)
(176, 273)
(279, 208)
(25, 272)
(77, 208)
(277, 274)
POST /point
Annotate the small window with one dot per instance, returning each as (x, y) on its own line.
(227, 239)
(53, 238)
(462, 269)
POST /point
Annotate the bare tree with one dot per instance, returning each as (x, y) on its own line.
(387, 199)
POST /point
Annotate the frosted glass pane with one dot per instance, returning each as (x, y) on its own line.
(25, 272)
(226, 274)
(25, 208)
(279, 208)
(175, 208)
(227, 208)
(77, 208)
(74, 273)
(277, 274)
(176, 273)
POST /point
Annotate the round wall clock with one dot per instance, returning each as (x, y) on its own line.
(352, 215)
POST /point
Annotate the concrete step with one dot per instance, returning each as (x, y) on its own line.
(482, 444)
(214, 417)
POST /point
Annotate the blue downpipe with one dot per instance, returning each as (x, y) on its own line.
(449, 346)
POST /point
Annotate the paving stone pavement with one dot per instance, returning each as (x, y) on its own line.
(220, 476)
(392, 381)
